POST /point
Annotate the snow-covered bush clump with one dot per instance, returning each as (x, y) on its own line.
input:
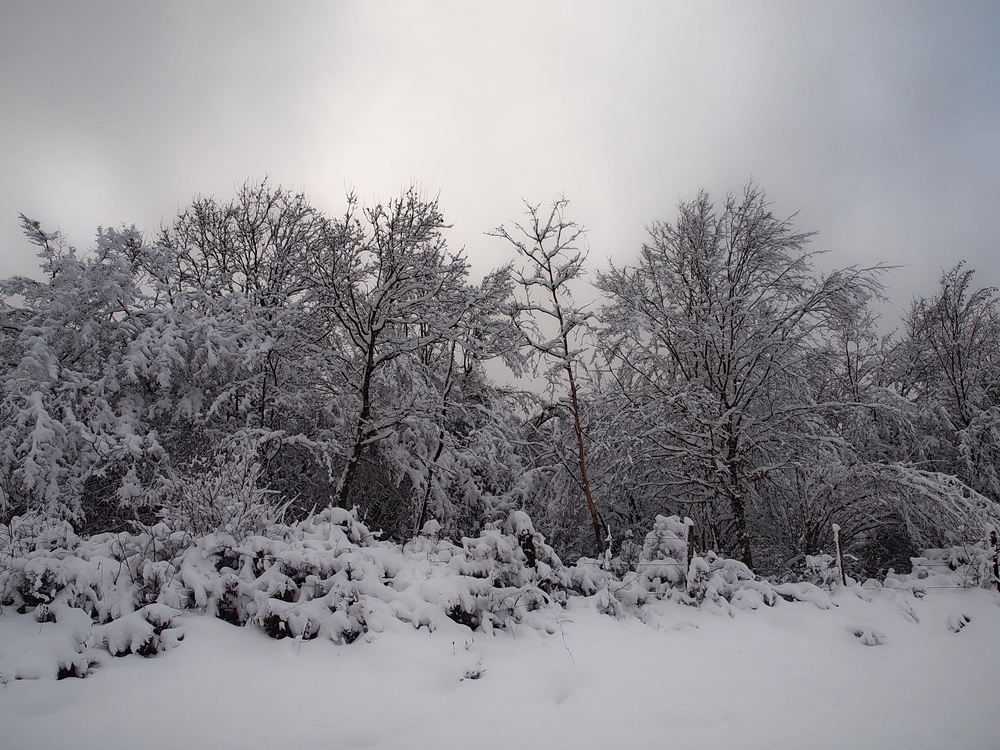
(327, 576)
(822, 570)
(523, 573)
(663, 561)
(659, 567)
(111, 594)
(959, 566)
(331, 577)
(23, 534)
(667, 569)
(222, 491)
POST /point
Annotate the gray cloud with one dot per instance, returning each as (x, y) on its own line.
(879, 122)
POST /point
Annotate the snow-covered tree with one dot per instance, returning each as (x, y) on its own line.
(707, 343)
(233, 277)
(256, 338)
(69, 414)
(950, 369)
(402, 330)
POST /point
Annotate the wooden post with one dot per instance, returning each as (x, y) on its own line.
(840, 554)
(996, 557)
(689, 539)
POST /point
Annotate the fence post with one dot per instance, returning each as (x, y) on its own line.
(840, 554)
(689, 539)
(996, 557)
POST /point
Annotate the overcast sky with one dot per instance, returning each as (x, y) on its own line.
(879, 122)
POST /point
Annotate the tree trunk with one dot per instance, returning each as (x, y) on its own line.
(440, 444)
(351, 470)
(737, 503)
(582, 458)
(577, 427)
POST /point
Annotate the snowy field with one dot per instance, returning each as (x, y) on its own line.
(788, 676)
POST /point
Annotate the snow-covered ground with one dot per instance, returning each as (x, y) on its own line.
(788, 676)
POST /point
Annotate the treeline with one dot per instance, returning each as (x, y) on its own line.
(259, 357)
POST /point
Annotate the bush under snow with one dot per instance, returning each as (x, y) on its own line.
(329, 576)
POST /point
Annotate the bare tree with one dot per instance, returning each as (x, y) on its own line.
(549, 320)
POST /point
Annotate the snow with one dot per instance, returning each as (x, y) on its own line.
(490, 643)
(789, 676)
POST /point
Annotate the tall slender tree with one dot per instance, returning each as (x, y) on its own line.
(551, 323)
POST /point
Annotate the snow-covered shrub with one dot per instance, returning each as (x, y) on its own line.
(24, 534)
(145, 632)
(513, 554)
(62, 646)
(663, 572)
(113, 594)
(966, 565)
(223, 493)
(330, 577)
(39, 582)
(588, 576)
(822, 570)
(699, 580)
(663, 560)
(660, 570)
(629, 553)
